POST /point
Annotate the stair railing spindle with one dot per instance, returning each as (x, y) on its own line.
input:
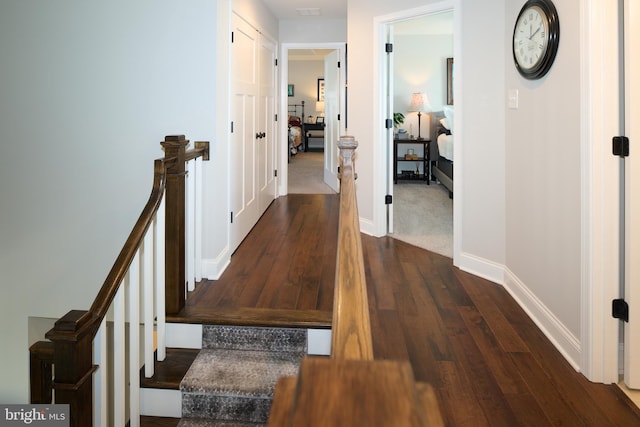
(159, 283)
(147, 272)
(119, 356)
(136, 274)
(198, 218)
(190, 226)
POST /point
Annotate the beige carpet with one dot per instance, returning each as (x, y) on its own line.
(306, 174)
(423, 216)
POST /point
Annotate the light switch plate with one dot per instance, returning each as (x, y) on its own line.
(513, 99)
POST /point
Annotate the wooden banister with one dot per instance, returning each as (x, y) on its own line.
(71, 347)
(110, 286)
(351, 332)
(351, 388)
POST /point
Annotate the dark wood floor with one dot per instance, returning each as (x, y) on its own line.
(490, 365)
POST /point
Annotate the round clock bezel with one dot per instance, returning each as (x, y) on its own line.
(550, 14)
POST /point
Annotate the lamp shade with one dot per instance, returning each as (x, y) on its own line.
(319, 106)
(419, 103)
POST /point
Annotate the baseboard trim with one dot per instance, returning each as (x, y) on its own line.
(481, 267)
(212, 269)
(563, 340)
(367, 227)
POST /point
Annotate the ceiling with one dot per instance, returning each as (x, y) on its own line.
(440, 23)
(297, 9)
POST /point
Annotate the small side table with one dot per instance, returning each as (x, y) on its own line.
(425, 159)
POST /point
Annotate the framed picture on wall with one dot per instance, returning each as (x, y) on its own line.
(449, 81)
(320, 90)
(289, 90)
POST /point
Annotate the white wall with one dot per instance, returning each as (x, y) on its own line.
(304, 75)
(312, 29)
(543, 186)
(480, 100)
(88, 90)
(420, 66)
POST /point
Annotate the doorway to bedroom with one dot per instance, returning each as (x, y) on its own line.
(420, 69)
(314, 102)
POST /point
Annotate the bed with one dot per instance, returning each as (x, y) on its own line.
(296, 132)
(442, 147)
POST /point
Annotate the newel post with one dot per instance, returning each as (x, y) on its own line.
(72, 337)
(175, 147)
(347, 146)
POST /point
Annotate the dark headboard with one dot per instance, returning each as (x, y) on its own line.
(434, 126)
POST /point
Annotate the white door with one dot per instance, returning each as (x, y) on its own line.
(244, 105)
(332, 124)
(632, 194)
(266, 141)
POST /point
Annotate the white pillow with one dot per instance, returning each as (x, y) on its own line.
(444, 122)
(448, 114)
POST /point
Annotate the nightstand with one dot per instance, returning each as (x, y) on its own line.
(401, 169)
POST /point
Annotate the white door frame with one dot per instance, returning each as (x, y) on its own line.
(382, 159)
(283, 170)
(600, 179)
(632, 196)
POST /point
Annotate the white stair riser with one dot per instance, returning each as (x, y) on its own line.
(156, 402)
(182, 335)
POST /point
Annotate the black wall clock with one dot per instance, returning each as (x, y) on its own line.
(535, 38)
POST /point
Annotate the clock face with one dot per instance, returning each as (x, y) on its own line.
(535, 38)
(530, 38)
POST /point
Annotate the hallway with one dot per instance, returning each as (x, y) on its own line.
(466, 336)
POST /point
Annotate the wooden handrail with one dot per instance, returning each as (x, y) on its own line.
(351, 334)
(73, 334)
(351, 388)
(110, 286)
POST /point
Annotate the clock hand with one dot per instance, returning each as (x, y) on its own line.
(534, 33)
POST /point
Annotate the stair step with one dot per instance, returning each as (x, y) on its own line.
(169, 373)
(255, 338)
(159, 422)
(246, 316)
(201, 422)
(234, 385)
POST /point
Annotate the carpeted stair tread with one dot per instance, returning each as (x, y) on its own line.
(254, 338)
(232, 380)
(239, 372)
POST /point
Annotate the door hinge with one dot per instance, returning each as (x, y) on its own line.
(231, 36)
(338, 116)
(275, 173)
(338, 64)
(620, 310)
(231, 217)
(231, 127)
(275, 62)
(388, 47)
(621, 146)
(388, 124)
(388, 199)
(275, 118)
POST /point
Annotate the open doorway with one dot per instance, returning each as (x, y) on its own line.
(312, 102)
(306, 121)
(421, 96)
